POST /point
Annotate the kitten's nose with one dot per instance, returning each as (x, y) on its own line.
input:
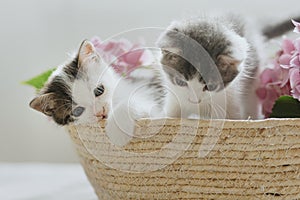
(102, 114)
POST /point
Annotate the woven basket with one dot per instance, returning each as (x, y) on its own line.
(195, 159)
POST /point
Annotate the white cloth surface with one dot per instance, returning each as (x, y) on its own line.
(37, 181)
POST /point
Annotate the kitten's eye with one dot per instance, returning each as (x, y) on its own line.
(210, 87)
(78, 111)
(99, 90)
(180, 82)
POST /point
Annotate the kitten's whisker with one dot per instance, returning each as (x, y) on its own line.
(219, 110)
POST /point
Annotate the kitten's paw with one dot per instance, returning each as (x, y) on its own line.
(117, 135)
(120, 126)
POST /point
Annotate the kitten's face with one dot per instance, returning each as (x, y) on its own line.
(74, 93)
(191, 87)
(188, 69)
(191, 83)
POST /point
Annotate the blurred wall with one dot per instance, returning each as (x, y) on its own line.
(36, 35)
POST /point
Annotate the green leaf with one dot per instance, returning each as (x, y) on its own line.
(39, 81)
(286, 107)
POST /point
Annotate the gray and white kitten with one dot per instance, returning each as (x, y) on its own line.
(212, 65)
(86, 89)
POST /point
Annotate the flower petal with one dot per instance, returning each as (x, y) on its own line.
(287, 46)
(268, 104)
(268, 76)
(285, 59)
(297, 45)
(132, 58)
(261, 93)
(295, 62)
(284, 77)
(294, 77)
(297, 26)
(295, 82)
(296, 92)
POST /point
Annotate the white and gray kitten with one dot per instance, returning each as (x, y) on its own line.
(87, 89)
(212, 65)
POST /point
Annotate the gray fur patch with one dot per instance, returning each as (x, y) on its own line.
(188, 60)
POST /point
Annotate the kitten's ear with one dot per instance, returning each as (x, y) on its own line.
(225, 61)
(44, 103)
(167, 50)
(228, 67)
(86, 50)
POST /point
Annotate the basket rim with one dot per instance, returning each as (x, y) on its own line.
(206, 123)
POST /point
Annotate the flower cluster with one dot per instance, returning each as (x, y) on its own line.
(284, 77)
(122, 55)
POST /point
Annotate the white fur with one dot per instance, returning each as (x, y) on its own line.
(184, 103)
(239, 48)
(230, 103)
(122, 101)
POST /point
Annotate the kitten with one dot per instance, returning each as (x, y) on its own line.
(85, 90)
(212, 64)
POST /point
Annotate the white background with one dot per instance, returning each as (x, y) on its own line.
(36, 35)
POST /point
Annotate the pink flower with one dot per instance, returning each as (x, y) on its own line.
(297, 45)
(271, 96)
(295, 61)
(284, 77)
(297, 26)
(287, 46)
(295, 82)
(261, 93)
(271, 88)
(269, 76)
(282, 72)
(284, 59)
(122, 55)
(132, 57)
